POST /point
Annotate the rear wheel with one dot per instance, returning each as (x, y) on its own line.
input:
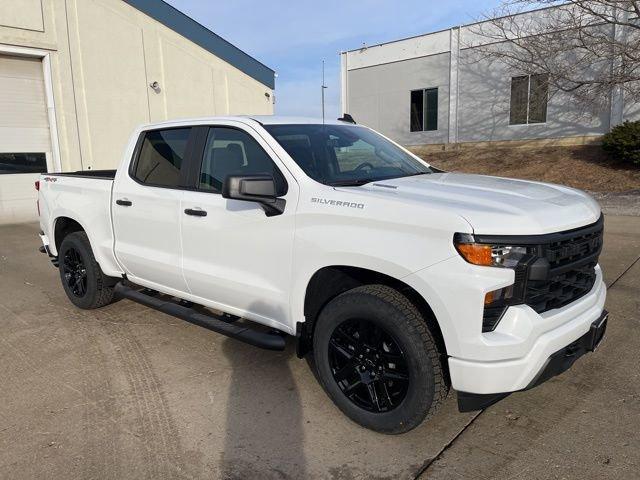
(82, 279)
(377, 360)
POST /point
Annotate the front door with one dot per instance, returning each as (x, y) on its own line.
(235, 257)
(147, 210)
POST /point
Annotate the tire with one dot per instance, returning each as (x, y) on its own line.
(395, 328)
(82, 279)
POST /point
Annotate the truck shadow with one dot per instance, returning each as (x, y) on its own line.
(264, 424)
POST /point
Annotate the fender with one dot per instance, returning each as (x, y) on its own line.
(102, 251)
(303, 275)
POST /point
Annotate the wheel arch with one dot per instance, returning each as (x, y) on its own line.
(330, 281)
(63, 226)
(65, 223)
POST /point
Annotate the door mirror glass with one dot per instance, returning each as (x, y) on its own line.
(254, 188)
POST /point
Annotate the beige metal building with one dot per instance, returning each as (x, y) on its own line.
(76, 76)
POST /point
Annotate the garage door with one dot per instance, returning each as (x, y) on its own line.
(25, 144)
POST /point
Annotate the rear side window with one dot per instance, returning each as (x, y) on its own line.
(161, 157)
(229, 151)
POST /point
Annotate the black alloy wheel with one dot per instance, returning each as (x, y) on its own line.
(368, 365)
(82, 279)
(377, 360)
(74, 272)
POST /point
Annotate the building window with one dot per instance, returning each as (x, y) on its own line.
(23, 163)
(424, 110)
(529, 94)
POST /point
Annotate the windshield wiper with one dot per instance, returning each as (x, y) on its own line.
(364, 181)
(351, 183)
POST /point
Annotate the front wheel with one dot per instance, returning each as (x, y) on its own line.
(82, 279)
(377, 360)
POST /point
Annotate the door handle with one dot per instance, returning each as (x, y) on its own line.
(124, 202)
(196, 213)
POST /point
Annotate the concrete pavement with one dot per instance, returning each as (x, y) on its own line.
(127, 392)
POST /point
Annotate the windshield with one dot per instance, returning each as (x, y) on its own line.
(345, 154)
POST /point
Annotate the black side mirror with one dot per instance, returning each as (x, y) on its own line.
(254, 188)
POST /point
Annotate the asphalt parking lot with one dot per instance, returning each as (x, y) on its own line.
(127, 392)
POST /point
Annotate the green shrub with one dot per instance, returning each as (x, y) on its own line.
(623, 142)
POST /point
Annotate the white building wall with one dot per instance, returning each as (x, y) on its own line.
(485, 96)
(103, 54)
(474, 95)
(379, 96)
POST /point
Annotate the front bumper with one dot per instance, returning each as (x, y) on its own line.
(527, 340)
(556, 364)
(508, 358)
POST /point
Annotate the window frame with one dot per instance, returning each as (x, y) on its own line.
(411, 129)
(200, 143)
(527, 122)
(186, 161)
(324, 181)
(46, 164)
(424, 109)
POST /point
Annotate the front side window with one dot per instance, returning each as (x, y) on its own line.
(424, 110)
(161, 157)
(345, 154)
(229, 151)
(529, 95)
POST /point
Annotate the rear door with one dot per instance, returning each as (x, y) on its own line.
(147, 209)
(235, 257)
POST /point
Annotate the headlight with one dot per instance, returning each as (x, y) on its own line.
(508, 256)
(515, 257)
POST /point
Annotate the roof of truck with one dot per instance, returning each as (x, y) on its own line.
(262, 119)
(286, 120)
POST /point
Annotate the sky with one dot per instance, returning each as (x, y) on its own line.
(293, 37)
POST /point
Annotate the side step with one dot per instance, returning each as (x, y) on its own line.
(54, 259)
(217, 323)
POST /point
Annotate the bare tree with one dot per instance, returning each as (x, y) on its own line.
(588, 49)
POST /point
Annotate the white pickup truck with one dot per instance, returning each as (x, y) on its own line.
(402, 280)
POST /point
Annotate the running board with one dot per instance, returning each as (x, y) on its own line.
(218, 323)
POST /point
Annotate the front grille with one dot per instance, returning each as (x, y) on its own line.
(560, 290)
(574, 248)
(572, 258)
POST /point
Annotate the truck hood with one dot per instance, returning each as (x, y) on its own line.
(494, 205)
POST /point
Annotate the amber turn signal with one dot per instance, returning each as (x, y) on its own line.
(488, 298)
(476, 253)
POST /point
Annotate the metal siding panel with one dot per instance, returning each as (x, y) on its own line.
(407, 49)
(18, 198)
(379, 96)
(22, 14)
(484, 107)
(188, 82)
(24, 125)
(24, 140)
(200, 35)
(110, 81)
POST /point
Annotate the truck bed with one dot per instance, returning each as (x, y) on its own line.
(85, 198)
